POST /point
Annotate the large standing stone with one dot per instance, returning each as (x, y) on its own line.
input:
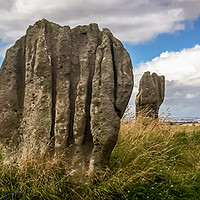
(150, 96)
(63, 91)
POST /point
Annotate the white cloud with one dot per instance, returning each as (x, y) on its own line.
(130, 20)
(180, 66)
(190, 96)
(181, 70)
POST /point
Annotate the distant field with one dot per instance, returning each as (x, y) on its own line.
(155, 161)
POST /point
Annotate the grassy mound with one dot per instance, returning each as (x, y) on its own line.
(157, 161)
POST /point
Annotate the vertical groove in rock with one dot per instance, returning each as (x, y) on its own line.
(70, 139)
(115, 73)
(53, 109)
(74, 80)
(115, 79)
(88, 140)
(20, 78)
(51, 50)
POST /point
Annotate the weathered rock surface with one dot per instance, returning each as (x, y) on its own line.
(63, 91)
(150, 96)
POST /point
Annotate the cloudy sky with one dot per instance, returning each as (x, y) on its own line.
(162, 36)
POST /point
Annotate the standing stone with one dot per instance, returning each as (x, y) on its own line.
(63, 92)
(150, 96)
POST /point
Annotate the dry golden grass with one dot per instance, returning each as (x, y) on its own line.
(151, 160)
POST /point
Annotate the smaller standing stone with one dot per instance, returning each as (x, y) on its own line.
(150, 96)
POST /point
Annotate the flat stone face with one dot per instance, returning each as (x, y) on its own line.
(150, 96)
(63, 91)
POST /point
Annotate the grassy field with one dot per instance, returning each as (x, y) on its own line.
(157, 161)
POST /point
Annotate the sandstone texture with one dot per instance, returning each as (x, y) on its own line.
(150, 96)
(63, 92)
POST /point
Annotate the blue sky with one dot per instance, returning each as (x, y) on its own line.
(175, 41)
(161, 36)
(1, 58)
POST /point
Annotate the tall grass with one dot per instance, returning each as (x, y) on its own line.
(154, 161)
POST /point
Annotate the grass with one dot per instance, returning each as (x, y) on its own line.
(157, 161)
